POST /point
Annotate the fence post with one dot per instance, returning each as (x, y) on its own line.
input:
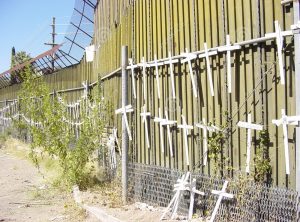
(124, 60)
(297, 86)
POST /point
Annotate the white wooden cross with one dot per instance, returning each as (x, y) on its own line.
(112, 152)
(249, 126)
(115, 134)
(189, 57)
(222, 193)
(284, 121)
(185, 128)
(170, 62)
(167, 122)
(156, 64)
(193, 191)
(132, 67)
(228, 47)
(179, 187)
(206, 128)
(123, 111)
(144, 65)
(279, 41)
(159, 120)
(206, 55)
(144, 115)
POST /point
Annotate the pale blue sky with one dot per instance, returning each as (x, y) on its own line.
(25, 24)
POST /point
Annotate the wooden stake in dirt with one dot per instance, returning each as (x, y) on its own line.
(206, 55)
(132, 67)
(189, 57)
(249, 126)
(144, 116)
(171, 62)
(167, 122)
(185, 128)
(284, 121)
(222, 193)
(206, 128)
(124, 111)
(228, 47)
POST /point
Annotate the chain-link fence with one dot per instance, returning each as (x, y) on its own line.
(252, 202)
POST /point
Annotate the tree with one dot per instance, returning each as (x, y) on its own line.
(18, 59)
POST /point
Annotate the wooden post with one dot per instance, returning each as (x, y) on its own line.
(124, 59)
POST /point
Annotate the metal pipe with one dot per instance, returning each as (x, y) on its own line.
(124, 61)
(112, 73)
(297, 94)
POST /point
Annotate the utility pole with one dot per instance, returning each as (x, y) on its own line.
(52, 44)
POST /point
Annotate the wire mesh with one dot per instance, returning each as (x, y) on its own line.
(252, 202)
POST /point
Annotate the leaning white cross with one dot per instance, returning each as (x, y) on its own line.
(112, 152)
(228, 47)
(159, 120)
(167, 122)
(185, 128)
(124, 111)
(144, 65)
(188, 57)
(132, 67)
(156, 64)
(193, 191)
(206, 128)
(284, 121)
(115, 135)
(222, 193)
(249, 126)
(144, 115)
(279, 41)
(179, 187)
(170, 62)
(206, 55)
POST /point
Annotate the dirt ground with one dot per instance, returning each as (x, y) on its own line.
(25, 195)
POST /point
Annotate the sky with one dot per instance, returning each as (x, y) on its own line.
(25, 24)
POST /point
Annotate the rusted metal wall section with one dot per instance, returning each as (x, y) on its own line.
(154, 27)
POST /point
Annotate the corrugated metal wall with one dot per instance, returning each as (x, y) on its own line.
(154, 27)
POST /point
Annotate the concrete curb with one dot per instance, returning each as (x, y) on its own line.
(95, 211)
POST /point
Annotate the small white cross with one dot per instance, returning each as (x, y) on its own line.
(279, 41)
(112, 152)
(222, 193)
(123, 111)
(189, 57)
(284, 121)
(144, 65)
(249, 126)
(185, 128)
(115, 134)
(156, 64)
(228, 47)
(132, 67)
(85, 89)
(206, 55)
(144, 115)
(170, 62)
(167, 122)
(159, 120)
(206, 128)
